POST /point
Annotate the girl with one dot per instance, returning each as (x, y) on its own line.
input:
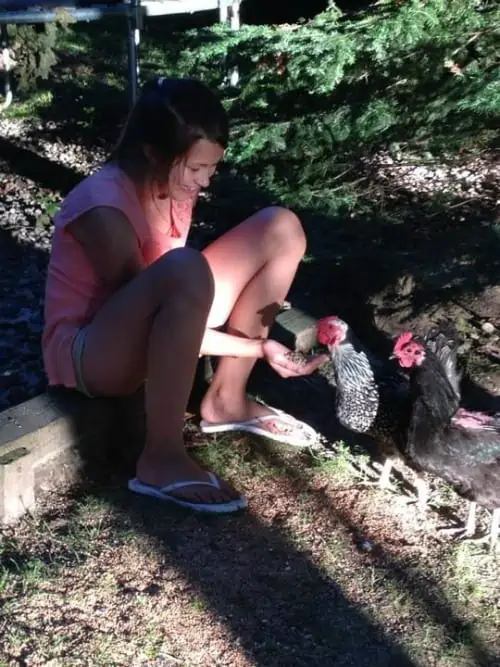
(126, 299)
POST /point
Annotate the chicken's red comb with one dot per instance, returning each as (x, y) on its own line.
(327, 329)
(325, 323)
(403, 339)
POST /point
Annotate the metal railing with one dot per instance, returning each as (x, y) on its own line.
(49, 11)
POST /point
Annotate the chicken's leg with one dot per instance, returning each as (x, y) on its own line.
(495, 529)
(491, 537)
(384, 479)
(470, 526)
(464, 532)
(383, 482)
(422, 493)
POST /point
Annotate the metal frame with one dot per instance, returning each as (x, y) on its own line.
(133, 10)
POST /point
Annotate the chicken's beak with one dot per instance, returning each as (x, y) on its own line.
(392, 357)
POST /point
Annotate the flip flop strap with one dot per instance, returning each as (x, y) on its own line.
(287, 420)
(214, 483)
(278, 416)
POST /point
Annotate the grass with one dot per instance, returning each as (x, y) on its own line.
(141, 581)
(30, 108)
(345, 466)
(224, 458)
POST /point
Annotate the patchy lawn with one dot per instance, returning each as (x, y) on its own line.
(321, 570)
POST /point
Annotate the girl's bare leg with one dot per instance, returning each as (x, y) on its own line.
(253, 267)
(153, 327)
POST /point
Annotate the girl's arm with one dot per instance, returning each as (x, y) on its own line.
(220, 344)
(111, 245)
(280, 358)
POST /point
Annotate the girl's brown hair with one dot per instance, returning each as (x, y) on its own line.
(168, 118)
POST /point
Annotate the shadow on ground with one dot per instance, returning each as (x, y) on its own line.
(274, 596)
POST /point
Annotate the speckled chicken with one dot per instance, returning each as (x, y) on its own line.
(373, 397)
(459, 446)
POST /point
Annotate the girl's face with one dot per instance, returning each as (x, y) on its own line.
(194, 170)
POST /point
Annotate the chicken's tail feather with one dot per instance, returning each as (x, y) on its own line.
(444, 341)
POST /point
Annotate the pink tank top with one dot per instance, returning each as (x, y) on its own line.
(73, 293)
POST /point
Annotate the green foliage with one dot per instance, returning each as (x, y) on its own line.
(314, 99)
(34, 51)
(416, 74)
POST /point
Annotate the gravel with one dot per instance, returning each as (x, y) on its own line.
(23, 257)
(25, 234)
(43, 139)
(471, 178)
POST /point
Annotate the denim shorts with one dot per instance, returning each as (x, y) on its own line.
(77, 354)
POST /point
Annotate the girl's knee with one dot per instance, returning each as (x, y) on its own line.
(285, 227)
(185, 273)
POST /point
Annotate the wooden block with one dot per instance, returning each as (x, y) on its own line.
(295, 329)
(59, 435)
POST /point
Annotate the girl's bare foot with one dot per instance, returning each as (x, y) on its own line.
(160, 470)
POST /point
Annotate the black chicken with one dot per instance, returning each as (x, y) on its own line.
(460, 447)
(373, 397)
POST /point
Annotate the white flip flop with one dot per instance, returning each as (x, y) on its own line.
(308, 436)
(164, 493)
